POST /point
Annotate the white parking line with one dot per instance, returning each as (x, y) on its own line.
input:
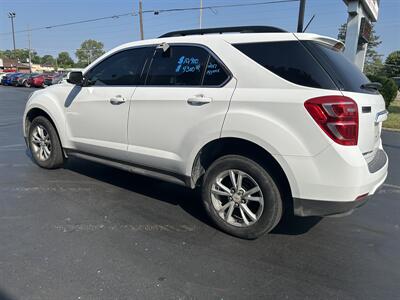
(11, 146)
(392, 186)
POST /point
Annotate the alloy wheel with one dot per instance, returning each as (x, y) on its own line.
(41, 143)
(237, 198)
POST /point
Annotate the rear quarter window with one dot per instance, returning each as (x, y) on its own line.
(345, 74)
(289, 60)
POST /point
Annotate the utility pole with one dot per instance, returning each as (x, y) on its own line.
(141, 19)
(201, 14)
(12, 15)
(29, 49)
(300, 21)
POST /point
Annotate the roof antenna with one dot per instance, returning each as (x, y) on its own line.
(309, 22)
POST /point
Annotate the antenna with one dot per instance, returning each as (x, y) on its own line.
(309, 22)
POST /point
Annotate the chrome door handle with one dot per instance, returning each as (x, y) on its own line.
(199, 100)
(117, 100)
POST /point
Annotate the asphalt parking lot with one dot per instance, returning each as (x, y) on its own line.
(92, 232)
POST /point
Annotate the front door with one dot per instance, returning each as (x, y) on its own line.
(97, 113)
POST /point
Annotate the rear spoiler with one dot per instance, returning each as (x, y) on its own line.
(321, 39)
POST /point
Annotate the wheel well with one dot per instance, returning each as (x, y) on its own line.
(36, 112)
(225, 146)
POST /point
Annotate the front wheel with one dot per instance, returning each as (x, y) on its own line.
(240, 197)
(45, 144)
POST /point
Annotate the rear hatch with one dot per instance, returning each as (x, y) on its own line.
(351, 82)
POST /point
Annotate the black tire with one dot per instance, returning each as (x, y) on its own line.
(26, 84)
(56, 158)
(272, 208)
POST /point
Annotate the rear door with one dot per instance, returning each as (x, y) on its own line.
(186, 97)
(351, 81)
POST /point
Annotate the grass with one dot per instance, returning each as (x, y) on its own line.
(393, 120)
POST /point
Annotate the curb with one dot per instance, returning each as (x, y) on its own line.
(391, 129)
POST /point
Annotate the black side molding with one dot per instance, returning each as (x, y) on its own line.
(308, 208)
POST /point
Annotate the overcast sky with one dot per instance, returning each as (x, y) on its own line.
(112, 32)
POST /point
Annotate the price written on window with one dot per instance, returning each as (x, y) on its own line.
(188, 65)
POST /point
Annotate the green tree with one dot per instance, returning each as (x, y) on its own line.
(392, 64)
(48, 60)
(388, 89)
(21, 54)
(373, 60)
(64, 60)
(88, 52)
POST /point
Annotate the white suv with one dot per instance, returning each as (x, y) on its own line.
(260, 118)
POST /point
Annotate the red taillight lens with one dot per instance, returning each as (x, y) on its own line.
(337, 116)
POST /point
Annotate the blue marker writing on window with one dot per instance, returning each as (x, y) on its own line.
(180, 62)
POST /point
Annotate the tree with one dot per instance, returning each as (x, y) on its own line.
(21, 54)
(88, 52)
(373, 60)
(388, 88)
(48, 60)
(64, 60)
(392, 64)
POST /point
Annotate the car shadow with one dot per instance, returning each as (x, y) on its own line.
(5, 296)
(189, 200)
(293, 225)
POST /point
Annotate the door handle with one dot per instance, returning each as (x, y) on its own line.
(117, 100)
(198, 100)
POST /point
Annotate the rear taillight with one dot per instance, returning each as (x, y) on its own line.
(337, 116)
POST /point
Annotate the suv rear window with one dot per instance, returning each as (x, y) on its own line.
(289, 60)
(345, 74)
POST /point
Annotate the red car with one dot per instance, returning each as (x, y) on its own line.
(36, 81)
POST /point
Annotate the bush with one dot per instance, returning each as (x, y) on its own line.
(388, 89)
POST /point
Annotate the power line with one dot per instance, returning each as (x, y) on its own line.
(154, 11)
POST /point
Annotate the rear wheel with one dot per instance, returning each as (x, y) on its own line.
(45, 144)
(240, 197)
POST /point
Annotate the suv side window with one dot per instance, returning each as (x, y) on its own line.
(185, 66)
(179, 65)
(289, 60)
(215, 74)
(122, 68)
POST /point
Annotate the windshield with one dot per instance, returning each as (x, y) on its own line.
(345, 74)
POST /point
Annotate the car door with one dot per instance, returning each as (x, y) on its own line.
(184, 100)
(97, 112)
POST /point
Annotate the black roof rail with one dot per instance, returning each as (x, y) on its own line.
(237, 29)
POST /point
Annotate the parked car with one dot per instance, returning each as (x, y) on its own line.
(58, 78)
(23, 80)
(15, 78)
(7, 80)
(2, 76)
(36, 81)
(48, 79)
(263, 121)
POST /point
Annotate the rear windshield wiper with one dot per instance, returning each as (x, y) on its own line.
(371, 86)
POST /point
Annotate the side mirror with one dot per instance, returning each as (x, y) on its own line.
(75, 78)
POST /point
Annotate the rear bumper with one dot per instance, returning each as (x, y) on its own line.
(307, 208)
(377, 173)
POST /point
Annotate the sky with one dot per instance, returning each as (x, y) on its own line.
(329, 15)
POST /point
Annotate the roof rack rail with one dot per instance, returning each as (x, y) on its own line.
(238, 29)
